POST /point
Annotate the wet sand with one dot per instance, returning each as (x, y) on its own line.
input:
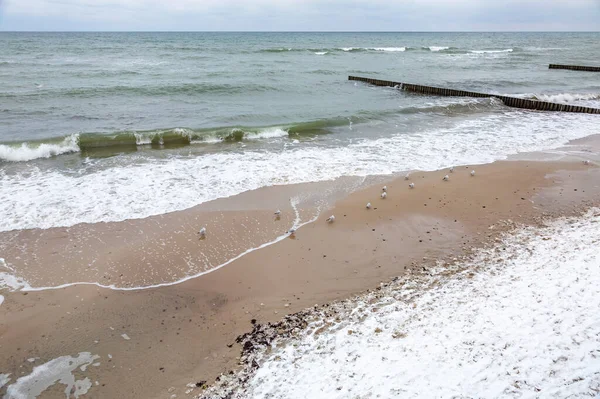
(186, 333)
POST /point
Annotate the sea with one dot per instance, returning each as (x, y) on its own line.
(98, 127)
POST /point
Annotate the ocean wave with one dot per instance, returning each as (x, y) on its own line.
(566, 97)
(437, 48)
(388, 49)
(323, 51)
(544, 48)
(459, 106)
(104, 144)
(508, 50)
(279, 50)
(384, 49)
(30, 151)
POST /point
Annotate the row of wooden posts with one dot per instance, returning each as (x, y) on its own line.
(509, 101)
(575, 67)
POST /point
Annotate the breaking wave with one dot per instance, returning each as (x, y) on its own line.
(566, 97)
(508, 50)
(29, 151)
(90, 144)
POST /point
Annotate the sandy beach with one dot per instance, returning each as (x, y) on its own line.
(153, 342)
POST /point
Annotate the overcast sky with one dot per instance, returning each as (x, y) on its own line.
(300, 15)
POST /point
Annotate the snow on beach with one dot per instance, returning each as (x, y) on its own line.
(43, 376)
(519, 319)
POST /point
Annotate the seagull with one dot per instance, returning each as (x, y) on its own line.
(202, 233)
(368, 205)
(383, 195)
(586, 162)
(473, 173)
(292, 232)
(384, 189)
(446, 178)
(277, 212)
(411, 185)
(452, 169)
(330, 219)
(407, 177)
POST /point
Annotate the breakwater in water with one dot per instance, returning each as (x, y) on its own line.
(508, 101)
(575, 67)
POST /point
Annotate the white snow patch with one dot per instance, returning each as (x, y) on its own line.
(4, 378)
(47, 374)
(520, 320)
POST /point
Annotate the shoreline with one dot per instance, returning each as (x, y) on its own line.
(186, 332)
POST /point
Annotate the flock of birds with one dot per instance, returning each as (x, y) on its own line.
(291, 232)
(331, 219)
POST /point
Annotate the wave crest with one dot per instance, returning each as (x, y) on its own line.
(30, 151)
(566, 97)
(508, 50)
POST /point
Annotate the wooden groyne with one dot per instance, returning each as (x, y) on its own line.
(509, 101)
(575, 67)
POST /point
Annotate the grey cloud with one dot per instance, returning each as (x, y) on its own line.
(293, 15)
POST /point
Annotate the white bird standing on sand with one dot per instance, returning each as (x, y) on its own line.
(368, 205)
(586, 162)
(384, 189)
(277, 212)
(473, 173)
(330, 219)
(202, 233)
(411, 185)
(407, 177)
(446, 178)
(383, 195)
(452, 169)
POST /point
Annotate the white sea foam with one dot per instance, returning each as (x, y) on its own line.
(567, 97)
(438, 48)
(27, 152)
(386, 49)
(57, 370)
(41, 198)
(520, 320)
(389, 49)
(8, 280)
(321, 52)
(545, 48)
(267, 134)
(1, 302)
(142, 139)
(508, 50)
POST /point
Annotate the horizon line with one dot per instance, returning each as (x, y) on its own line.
(295, 31)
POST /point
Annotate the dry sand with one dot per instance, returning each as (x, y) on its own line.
(186, 332)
